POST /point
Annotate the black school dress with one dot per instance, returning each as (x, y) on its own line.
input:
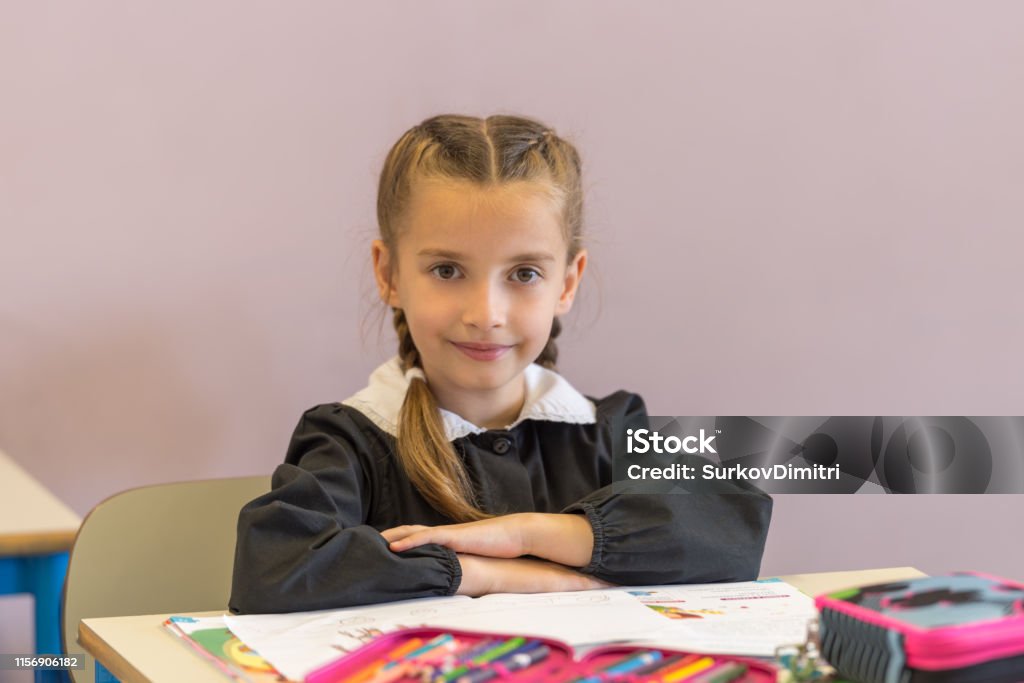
(313, 541)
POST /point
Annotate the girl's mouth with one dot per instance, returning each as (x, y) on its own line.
(482, 351)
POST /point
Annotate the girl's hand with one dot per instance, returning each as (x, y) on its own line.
(565, 539)
(496, 537)
(483, 575)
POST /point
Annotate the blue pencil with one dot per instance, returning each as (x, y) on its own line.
(636, 662)
(622, 666)
(433, 643)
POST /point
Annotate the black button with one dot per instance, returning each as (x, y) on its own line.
(501, 445)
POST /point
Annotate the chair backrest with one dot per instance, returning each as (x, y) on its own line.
(155, 549)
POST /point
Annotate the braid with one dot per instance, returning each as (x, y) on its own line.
(407, 350)
(424, 451)
(549, 354)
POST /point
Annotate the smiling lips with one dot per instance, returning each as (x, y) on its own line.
(482, 351)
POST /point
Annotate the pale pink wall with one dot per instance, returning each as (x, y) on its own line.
(796, 208)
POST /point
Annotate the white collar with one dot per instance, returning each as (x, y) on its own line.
(549, 396)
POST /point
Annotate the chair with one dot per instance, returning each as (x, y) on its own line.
(155, 549)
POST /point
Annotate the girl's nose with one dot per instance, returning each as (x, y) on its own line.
(486, 307)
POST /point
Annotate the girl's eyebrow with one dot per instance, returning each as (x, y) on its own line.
(440, 253)
(456, 256)
(534, 256)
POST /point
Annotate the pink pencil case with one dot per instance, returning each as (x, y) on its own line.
(557, 665)
(964, 627)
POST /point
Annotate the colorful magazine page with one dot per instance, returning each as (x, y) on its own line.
(211, 638)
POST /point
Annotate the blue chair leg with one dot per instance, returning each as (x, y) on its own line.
(10, 575)
(55, 676)
(103, 675)
(44, 578)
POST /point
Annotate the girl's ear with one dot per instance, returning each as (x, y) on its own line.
(383, 272)
(573, 275)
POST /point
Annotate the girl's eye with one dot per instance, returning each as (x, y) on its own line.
(445, 271)
(526, 276)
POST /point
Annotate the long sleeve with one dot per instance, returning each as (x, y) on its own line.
(306, 545)
(696, 537)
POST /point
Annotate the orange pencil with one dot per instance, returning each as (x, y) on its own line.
(688, 670)
(395, 673)
(662, 668)
(389, 659)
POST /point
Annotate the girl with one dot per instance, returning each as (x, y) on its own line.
(468, 465)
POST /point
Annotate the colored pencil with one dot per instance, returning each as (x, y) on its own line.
(722, 673)
(388, 660)
(632, 663)
(514, 662)
(525, 647)
(687, 670)
(664, 666)
(395, 673)
(626, 664)
(438, 641)
(523, 660)
(482, 646)
(498, 651)
(443, 675)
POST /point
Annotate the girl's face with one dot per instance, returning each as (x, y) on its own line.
(481, 275)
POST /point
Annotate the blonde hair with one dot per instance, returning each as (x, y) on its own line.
(487, 152)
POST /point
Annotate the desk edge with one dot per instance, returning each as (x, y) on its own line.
(110, 658)
(36, 543)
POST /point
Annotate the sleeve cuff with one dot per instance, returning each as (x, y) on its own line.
(454, 570)
(597, 525)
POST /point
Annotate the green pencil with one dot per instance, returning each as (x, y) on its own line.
(498, 651)
(729, 671)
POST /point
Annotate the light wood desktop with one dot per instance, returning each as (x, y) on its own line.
(32, 520)
(36, 531)
(138, 648)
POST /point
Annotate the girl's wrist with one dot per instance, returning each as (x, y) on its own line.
(477, 579)
(530, 525)
(563, 538)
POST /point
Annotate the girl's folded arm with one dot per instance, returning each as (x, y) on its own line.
(660, 538)
(306, 545)
(294, 554)
(647, 538)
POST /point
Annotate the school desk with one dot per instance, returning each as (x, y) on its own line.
(136, 649)
(36, 532)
